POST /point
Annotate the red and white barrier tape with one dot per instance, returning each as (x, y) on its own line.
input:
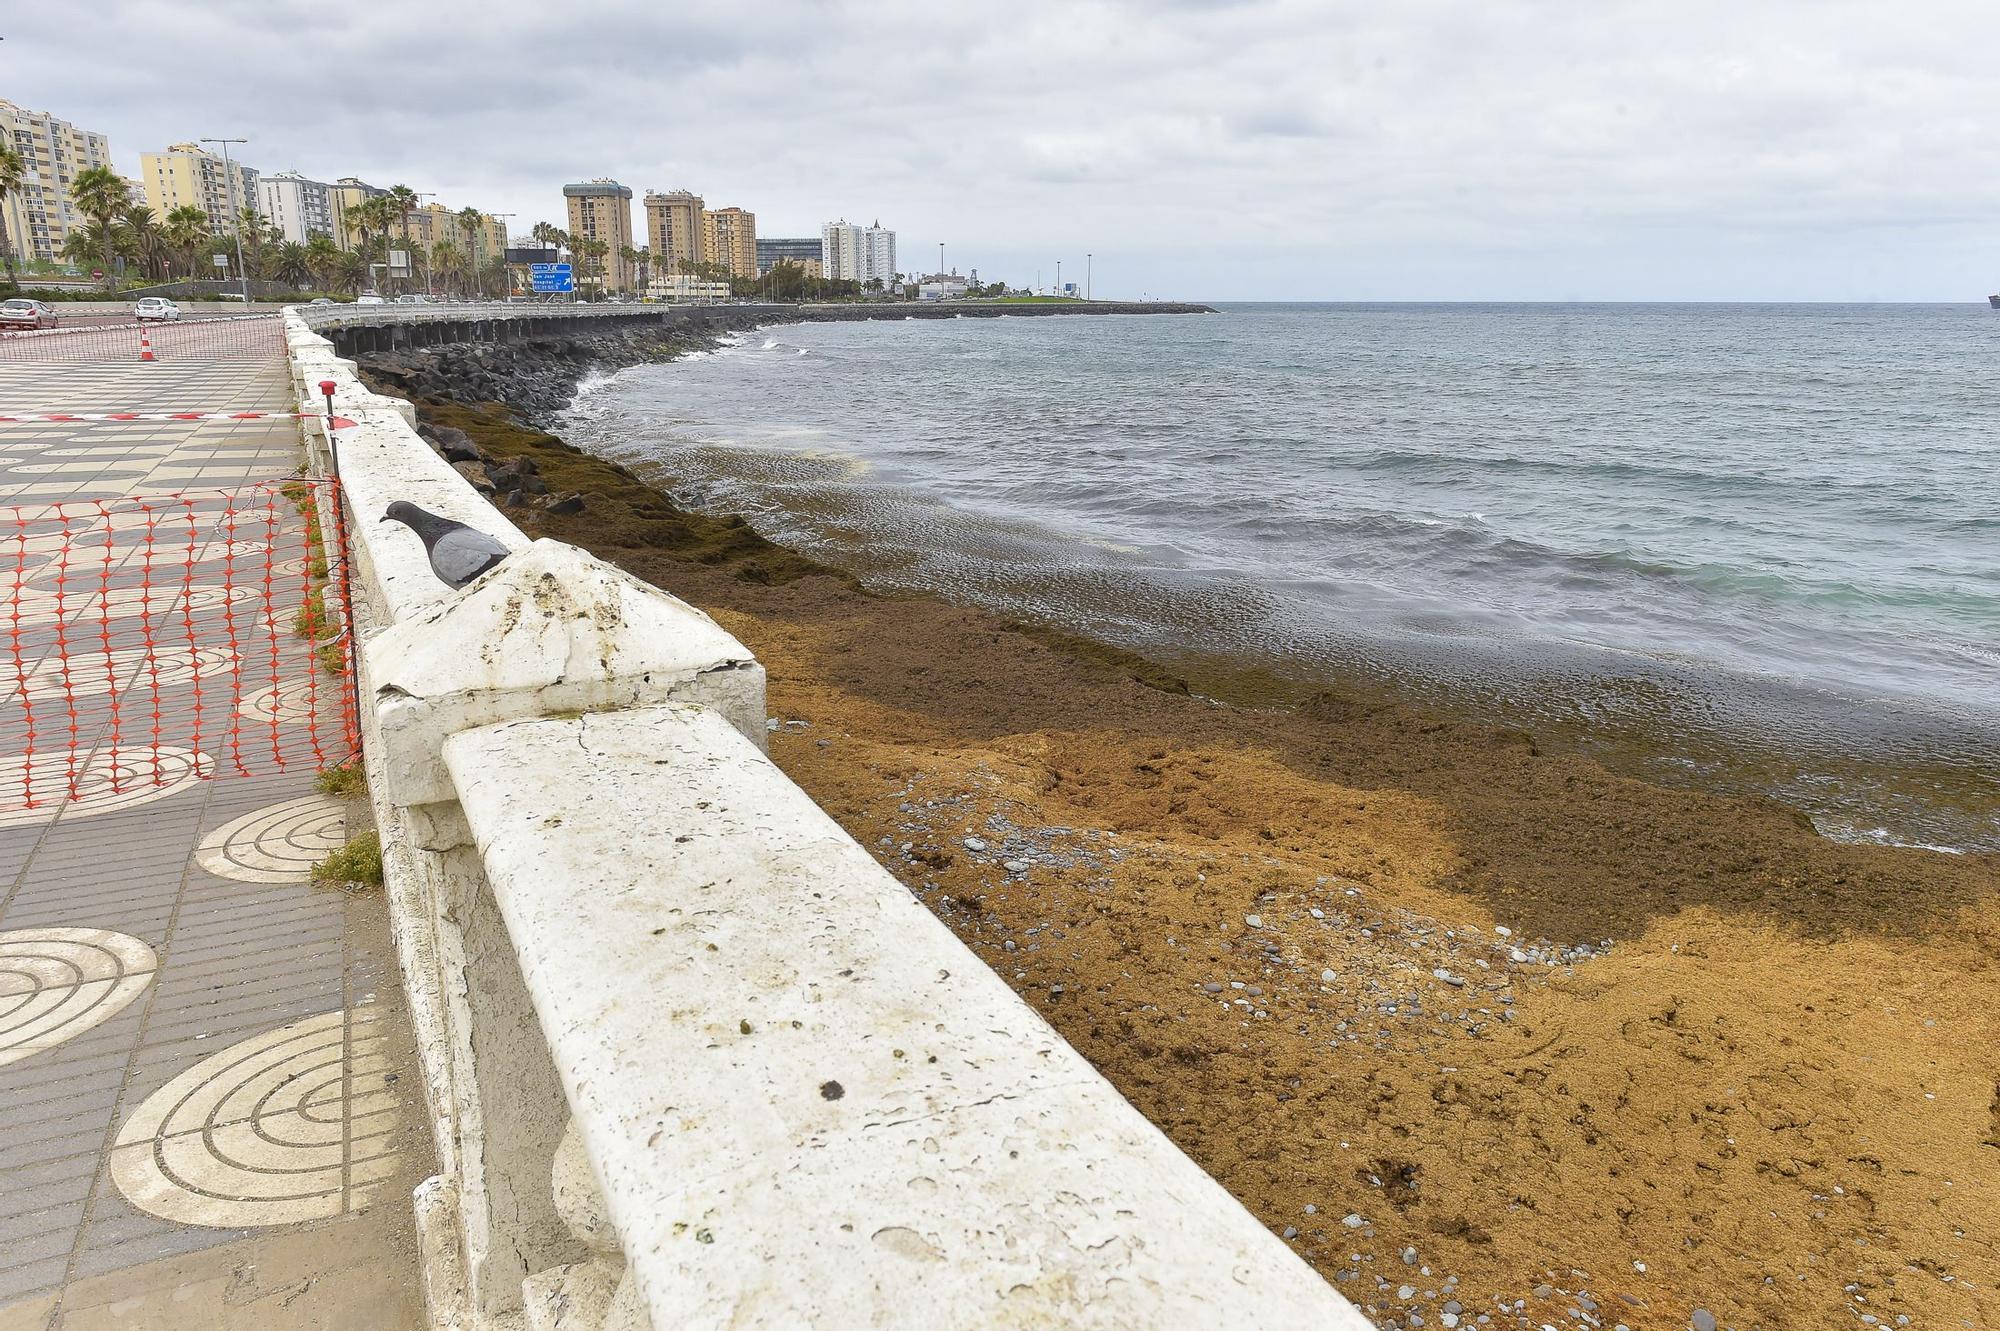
(61, 418)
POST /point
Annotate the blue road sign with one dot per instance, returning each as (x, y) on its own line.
(550, 277)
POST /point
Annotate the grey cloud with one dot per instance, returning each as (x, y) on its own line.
(1208, 147)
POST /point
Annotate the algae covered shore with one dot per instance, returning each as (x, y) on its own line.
(1479, 1025)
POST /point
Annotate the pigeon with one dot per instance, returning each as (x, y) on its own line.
(458, 553)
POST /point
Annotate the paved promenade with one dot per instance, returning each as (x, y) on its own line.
(210, 1115)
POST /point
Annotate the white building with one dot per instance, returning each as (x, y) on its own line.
(859, 253)
(298, 207)
(941, 286)
(686, 286)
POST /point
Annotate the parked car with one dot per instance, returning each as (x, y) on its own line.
(320, 300)
(369, 298)
(155, 309)
(22, 312)
(412, 298)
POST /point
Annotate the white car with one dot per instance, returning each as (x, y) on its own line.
(369, 298)
(21, 312)
(155, 309)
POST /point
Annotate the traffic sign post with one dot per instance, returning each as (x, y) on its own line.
(552, 277)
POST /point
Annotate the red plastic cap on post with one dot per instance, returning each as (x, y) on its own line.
(327, 386)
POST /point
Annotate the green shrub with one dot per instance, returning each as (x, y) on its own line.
(359, 862)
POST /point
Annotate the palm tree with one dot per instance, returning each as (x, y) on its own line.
(13, 171)
(101, 195)
(322, 258)
(643, 256)
(149, 240)
(186, 232)
(403, 200)
(350, 272)
(96, 242)
(255, 236)
(597, 249)
(290, 264)
(446, 262)
(469, 222)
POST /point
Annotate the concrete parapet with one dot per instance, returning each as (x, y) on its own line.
(692, 1057)
(807, 1104)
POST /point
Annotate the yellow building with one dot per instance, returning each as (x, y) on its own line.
(674, 230)
(40, 215)
(434, 222)
(188, 175)
(347, 194)
(601, 210)
(729, 237)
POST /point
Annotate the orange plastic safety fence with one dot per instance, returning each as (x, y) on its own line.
(118, 338)
(151, 637)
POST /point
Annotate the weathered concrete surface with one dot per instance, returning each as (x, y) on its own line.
(805, 1100)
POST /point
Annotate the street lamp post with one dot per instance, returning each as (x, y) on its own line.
(235, 217)
(1058, 278)
(940, 261)
(1086, 275)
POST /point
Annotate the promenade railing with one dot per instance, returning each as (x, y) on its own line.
(692, 1058)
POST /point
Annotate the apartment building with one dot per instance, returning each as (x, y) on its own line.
(298, 207)
(40, 215)
(345, 195)
(729, 237)
(674, 230)
(188, 175)
(858, 253)
(436, 221)
(601, 210)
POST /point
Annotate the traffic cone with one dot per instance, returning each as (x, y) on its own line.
(145, 344)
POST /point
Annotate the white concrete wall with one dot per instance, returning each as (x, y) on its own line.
(693, 1058)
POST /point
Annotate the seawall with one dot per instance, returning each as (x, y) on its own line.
(692, 1057)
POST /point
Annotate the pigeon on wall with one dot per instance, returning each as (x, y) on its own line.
(458, 553)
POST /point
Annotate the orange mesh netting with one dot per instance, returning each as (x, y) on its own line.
(153, 636)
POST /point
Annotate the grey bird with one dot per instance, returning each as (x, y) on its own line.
(458, 553)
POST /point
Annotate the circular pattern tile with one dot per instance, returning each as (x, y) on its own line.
(279, 843)
(290, 702)
(122, 668)
(90, 601)
(110, 780)
(296, 1124)
(58, 983)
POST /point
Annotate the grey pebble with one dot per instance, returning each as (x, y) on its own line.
(1409, 1257)
(1254, 921)
(974, 843)
(1015, 866)
(1213, 986)
(1702, 1320)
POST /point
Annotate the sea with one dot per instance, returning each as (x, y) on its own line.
(1749, 546)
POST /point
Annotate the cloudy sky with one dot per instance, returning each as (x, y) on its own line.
(1253, 149)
